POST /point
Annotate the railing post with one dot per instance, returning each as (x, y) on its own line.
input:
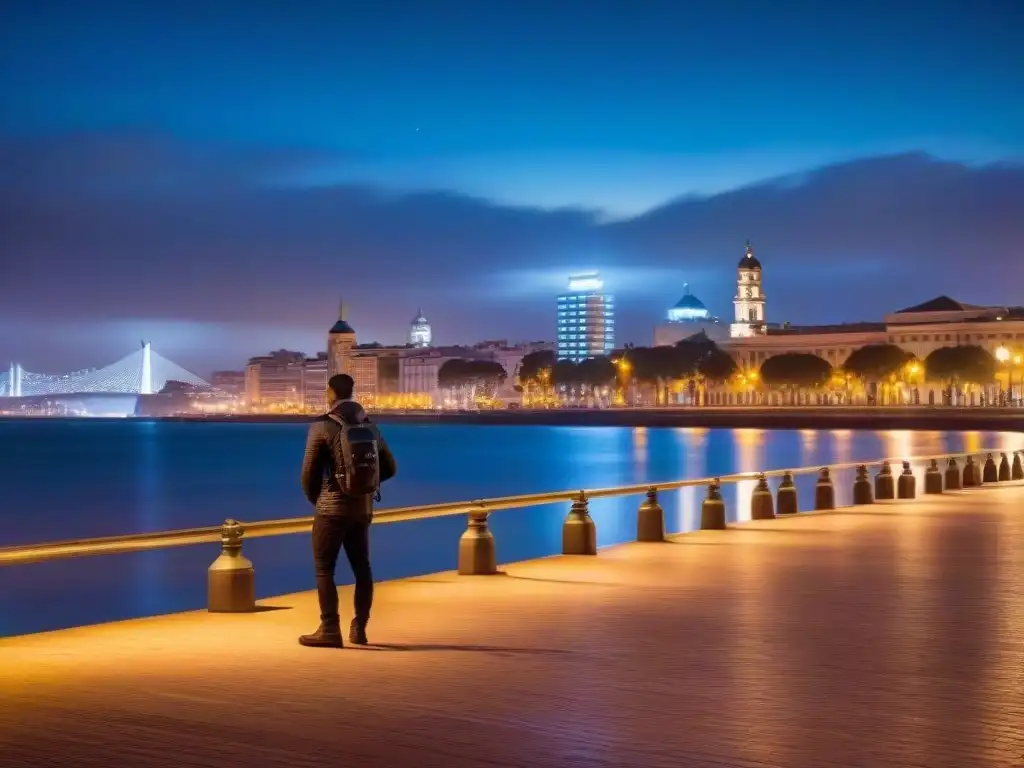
(1017, 470)
(1004, 468)
(762, 506)
(990, 473)
(579, 534)
(650, 518)
(786, 500)
(906, 487)
(231, 580)
(953, 475)
(933, 479)
(972, 476)
(477, 555)
(712, 510)
(862, 487)
(885, 488)
(824, 491)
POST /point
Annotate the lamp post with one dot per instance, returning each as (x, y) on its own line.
(1003, 356)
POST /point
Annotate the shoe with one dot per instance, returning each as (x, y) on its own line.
(327, 636)
(357, 633)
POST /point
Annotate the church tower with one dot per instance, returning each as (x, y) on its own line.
(749, 301)
(341, 340)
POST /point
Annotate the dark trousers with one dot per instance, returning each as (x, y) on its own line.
(330, 534)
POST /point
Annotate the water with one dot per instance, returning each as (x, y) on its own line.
(71, 479)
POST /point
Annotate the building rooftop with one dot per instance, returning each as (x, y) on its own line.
(749, 261)
(800, 330)
(939, 304)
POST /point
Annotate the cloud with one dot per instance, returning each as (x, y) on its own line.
(96, 229)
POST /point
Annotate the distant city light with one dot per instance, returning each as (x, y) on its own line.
(591, 281)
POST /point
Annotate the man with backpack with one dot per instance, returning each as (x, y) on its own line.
(345, 462)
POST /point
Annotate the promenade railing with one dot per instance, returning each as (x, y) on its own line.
(231, 577)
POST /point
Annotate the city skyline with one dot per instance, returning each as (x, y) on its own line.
(220, 202)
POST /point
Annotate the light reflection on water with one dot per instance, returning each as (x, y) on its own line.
(132, 476)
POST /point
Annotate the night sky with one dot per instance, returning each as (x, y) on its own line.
(212, 176)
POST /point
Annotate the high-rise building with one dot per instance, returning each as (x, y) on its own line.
(420, 334)
(586, 319)
(749, 301)
(341, 339)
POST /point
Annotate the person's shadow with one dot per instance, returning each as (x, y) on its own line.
(465, 648)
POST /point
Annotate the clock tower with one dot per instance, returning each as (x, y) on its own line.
(749, 301)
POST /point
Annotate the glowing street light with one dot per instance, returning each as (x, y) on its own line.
(1002, 354)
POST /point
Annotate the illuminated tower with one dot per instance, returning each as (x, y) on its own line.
(341, 340)
(420, 334)
(146, 384)
(586, 319)
(749, 301)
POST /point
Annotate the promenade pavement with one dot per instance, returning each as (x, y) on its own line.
(889, 635)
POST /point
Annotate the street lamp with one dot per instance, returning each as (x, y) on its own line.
(1003, 356)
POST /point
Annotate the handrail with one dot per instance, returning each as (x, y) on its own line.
(140, 542)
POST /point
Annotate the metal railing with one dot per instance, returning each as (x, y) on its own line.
(230, 578)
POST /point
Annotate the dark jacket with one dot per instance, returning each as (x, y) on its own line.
(318, 470)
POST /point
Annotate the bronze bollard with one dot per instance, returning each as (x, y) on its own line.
(824, 491)
(231, 580)
(907, 485)
(990, 474)
(1017, 470)
(579, 534)
(650, 518)
(477, 556)
(885, 487)
(953, 476)
(712, 510)
(972, 475)
(933, 479)
(762, 506)
(1004, 468)
(862, 487)
(786, 499)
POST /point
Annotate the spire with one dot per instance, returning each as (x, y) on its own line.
(342, 325)
(686, 289)
(750, 249)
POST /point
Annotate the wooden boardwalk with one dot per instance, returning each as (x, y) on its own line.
(890, 635)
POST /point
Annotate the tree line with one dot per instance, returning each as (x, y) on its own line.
(700, 360)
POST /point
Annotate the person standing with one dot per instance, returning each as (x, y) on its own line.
(345, 462)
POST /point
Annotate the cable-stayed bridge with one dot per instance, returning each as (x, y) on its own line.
(144, 372)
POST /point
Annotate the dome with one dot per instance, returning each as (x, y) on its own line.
(688, 309)
(420, 334)
(749, 260)
(689, 301)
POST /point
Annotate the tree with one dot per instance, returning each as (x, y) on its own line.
(716, 364)
(877, 361)
(533, 364)
(470, 378)
(795, 370)
(597, 371)
(564, 373)
(967, 364)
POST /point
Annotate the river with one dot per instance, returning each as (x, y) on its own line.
(65, 479)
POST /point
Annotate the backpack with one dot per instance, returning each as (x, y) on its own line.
(356, 458)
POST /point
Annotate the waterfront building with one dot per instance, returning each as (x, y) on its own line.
(919, 330)
(687, 318)
(286, 381)
(364, 371)
(420, 333)
(231, 382)
(341, 340)
(586, 319)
